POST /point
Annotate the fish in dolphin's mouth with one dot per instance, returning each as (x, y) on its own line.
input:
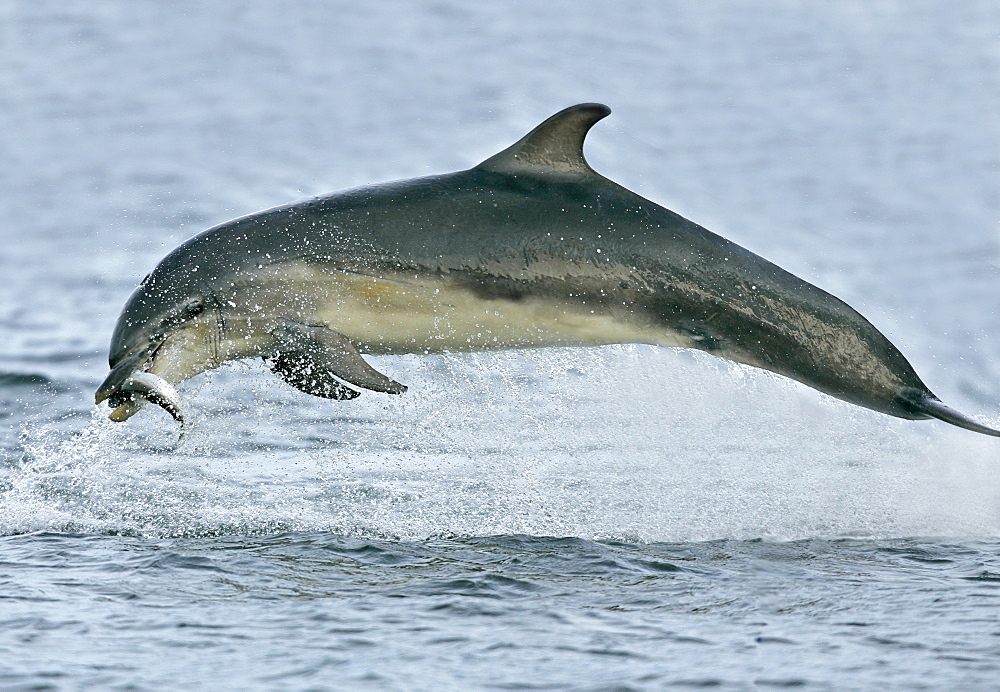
(142, 388)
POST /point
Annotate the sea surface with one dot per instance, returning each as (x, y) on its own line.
(620, 518)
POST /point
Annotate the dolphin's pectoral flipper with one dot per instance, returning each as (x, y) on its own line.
(299, 371)
(310, 356)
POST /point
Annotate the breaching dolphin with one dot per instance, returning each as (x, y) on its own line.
(530, 248)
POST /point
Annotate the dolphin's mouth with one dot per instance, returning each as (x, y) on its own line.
(127, 388)
(124, 369)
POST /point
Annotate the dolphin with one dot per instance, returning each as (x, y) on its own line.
(530, 248)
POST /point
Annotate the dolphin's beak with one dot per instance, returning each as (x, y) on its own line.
(127, 389)
(123, 370)
(120, 373)
(126, 410)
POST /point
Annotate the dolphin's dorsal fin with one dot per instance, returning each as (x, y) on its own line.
(555, 146)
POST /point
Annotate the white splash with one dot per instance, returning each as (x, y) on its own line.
(632, 443)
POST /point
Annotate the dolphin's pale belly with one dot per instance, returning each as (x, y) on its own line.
(416, 314)
(412, 313)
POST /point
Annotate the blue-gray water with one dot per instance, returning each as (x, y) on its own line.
(617, 518)
(313, 609)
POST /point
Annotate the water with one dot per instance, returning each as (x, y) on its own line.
(312, 609)
(615, 518)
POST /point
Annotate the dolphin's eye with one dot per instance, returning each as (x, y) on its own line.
(194, 308)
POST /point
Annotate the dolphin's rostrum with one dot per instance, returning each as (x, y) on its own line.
(530, 248)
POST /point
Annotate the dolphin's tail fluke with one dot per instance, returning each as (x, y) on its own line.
(929, 405)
